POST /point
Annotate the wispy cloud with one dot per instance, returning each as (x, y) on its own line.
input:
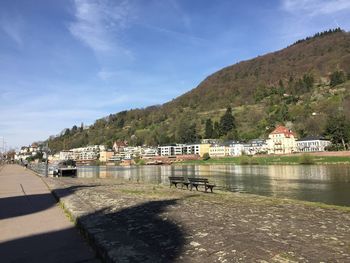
(186, 20)
(184, 31)
(98, 23)
(179, 36)
(106, 74)
(315, 7)
(12, 26)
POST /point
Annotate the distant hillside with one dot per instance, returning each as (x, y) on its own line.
(301, 86)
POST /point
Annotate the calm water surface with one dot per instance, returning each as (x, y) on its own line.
(328, 184)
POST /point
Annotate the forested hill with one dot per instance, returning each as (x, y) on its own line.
(305, 86)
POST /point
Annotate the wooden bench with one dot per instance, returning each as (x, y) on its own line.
(174, 180)
(195, 182)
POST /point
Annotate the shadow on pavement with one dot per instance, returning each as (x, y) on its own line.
(133, 234)
(136, 234)
(47, 247)
(27, 204)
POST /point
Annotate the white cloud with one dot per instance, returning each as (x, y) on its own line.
(97, 22)
(106, 75)
(12, 26)
(315, 7)
(186, 20)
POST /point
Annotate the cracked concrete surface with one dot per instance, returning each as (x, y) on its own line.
(139, 222)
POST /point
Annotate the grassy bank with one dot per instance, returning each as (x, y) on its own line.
(268, 160)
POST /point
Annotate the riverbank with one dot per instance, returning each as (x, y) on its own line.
(274, 159)
(128, 221)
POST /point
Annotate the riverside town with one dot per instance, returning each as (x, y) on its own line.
(280, 141)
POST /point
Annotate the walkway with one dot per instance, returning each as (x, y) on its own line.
(33, 228)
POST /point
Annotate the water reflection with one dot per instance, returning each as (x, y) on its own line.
(322, 183)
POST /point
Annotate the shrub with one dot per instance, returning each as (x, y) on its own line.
(306, 159)
(206, 156)
(140, 161)
(244, 160)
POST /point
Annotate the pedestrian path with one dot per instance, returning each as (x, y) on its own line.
(32, 227)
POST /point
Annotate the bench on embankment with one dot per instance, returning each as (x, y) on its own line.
(175, 180)
(195, 182)
(192, 182)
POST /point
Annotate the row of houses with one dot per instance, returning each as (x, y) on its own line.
(27, 152)
(101, 153)
(283, 141)
(280, 141)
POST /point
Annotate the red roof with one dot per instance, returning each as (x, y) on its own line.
(283, 130)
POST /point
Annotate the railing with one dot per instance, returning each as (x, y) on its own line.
(38, 168)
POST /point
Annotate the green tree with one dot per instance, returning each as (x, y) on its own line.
(187, 134)
(282, 113)
(186, 131)
(216, 130)
(67, 132)
(308, 80)
(304, 84)
(336, 78)
(338, 130)
(120, 123)
(281, 89)
(209, 129)
(227, 122)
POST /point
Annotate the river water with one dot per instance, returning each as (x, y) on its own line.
(328, 184)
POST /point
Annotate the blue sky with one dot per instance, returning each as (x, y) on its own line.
(71, 61)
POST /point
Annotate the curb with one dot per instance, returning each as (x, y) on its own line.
(100, 252)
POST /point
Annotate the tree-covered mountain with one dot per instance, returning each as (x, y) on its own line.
(305, 86)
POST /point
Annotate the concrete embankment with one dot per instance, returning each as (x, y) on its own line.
(146, 223)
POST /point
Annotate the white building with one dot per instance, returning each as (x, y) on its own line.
(219, 150)
(149, 152)
(115, 158)
(87, 156)
(281, 141)
(131, 152)
(171, 150)
(256, 146)
(191, 149)
(312, 144)
(183, 149)
(66, 155)
(236, 149)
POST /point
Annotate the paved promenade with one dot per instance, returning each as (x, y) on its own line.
(33, 228)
